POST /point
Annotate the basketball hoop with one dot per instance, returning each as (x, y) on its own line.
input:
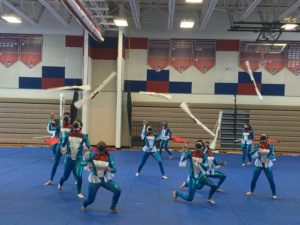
(262, 53)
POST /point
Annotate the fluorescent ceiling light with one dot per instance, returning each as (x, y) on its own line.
(193, 1)
(121, 22)
(187, 24)
(11, 19)
(289, 26)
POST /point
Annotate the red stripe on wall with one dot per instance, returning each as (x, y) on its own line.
(228, 45)
(52, 82)
(104, 53)
(74, 41)
(136, 43)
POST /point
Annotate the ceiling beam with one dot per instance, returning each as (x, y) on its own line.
(249, 10)
(171, 7)
(53, 12)
(19, 12)
(135, 13)
(208, 13)
(289, 10)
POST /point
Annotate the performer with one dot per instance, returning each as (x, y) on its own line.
(59, 151)
(264, 154)
(150, 149)
(213, 164)
(54, 129)
(165, 136)
(198, 166)
(101, 167)
(247, 139)
(74, 142)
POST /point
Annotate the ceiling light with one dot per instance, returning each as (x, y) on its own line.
(121, 22)
(193, 1)
(289, 26)
(11, 19)
(187, 24)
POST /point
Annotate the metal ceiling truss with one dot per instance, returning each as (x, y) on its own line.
(135, 11)
(171, 7)
(291, 9)
(250, 9)
(208, 13)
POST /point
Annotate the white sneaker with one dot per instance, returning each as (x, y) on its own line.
(81, 196)
(248, 163)
(137, 174)
(220, 190)
(59, 187)
(243, 164)
(175, 197)
(49, 182)
(249, 193)
(274, 197)
(211, 201)
(164, 177)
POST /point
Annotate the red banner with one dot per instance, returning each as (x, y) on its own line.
(31, 49)
(9, 49)
(204, 55)
(274, 62)
(158, 54)
(181, 54)
(292, 57)
(249, 55)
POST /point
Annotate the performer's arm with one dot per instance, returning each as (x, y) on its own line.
(272, 153)
(143, 134)
(112, 166)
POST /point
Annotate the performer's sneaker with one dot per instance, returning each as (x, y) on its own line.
(249, 193)
(274, 197)
(243, 164)
(49, 182)
(114, 210)
(59, 187)
(83, 208)
(211, 201)
(175, 197)
(164, 177)
(137, 174)
(220, 190)
(248, 163)
(171, 156)
(81, 196)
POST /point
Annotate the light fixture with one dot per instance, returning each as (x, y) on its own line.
(289, 26)
(193, 1)
(121, 22)
(187, 24)
(11, 19)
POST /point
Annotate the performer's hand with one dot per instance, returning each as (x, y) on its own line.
(63, 150)
(107, 169)
(52, 116)
(87, 155)
(90, 166)
(145, 122)
(185, 147)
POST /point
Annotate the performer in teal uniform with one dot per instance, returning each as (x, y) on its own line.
(165, 136)
(246, 142)
(198, 166)
(102, 166)
(74, 142)
(264, 154)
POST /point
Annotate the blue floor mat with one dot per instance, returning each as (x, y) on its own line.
(146, 199)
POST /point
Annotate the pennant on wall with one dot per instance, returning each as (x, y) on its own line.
(181, 54)
(293, 57)
(250, 55)
(31, 49)
(204, 54)
(274, 62)
(158, 54)
(9, 49)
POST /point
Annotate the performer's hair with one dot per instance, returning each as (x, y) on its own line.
(200, 141)
(248, 124)
(264, 136)
(165, 123)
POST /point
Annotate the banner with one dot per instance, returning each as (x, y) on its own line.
(181, 54)
(158, 54)
(204, 55)
(250, 55)
(274, 62)
(292, 57)
(9, 49)
(31, 49)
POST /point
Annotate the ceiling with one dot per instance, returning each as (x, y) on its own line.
(162, 16)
